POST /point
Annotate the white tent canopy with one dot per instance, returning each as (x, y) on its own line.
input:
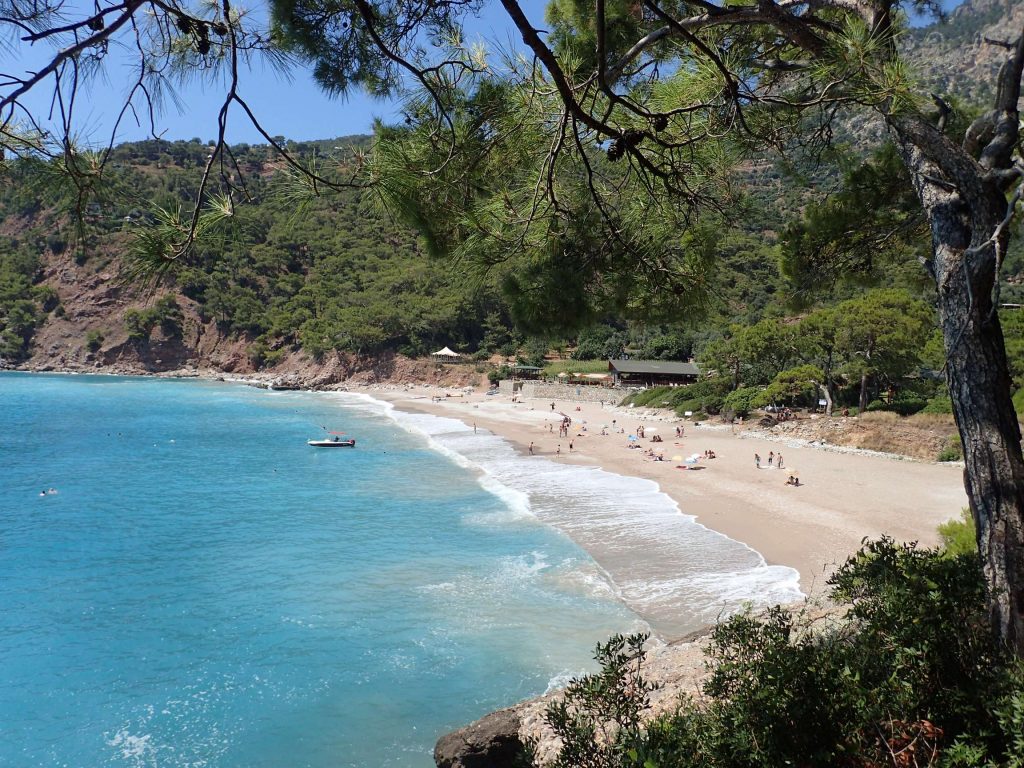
(445, 353)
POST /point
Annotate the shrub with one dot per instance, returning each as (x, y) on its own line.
(958, 536)
(742, 401)
(135, 324)
(262, 356)
(938, 404)
(497, 374)
(93, 341)
(1018, 402)
(910, 675)
(953, 451)
(904, 406)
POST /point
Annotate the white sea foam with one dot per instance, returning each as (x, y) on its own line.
(670, 569)
(134, 750)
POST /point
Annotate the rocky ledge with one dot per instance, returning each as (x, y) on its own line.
(500, 739)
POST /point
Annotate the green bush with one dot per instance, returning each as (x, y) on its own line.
(912, 663)
(953, 451)
(958, 536)
(938, 404)
(1018, 402)
(93, 341)
(742, 401)
(497, 374)
(904, 406)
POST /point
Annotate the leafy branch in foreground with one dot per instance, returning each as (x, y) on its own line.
(908, 676)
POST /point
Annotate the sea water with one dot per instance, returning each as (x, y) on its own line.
(184, 582)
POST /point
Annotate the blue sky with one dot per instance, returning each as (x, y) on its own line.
(294, 108)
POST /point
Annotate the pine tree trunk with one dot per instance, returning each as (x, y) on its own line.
(965, 204)
(862, 402)
(979, 386)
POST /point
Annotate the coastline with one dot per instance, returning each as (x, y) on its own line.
(845, 495)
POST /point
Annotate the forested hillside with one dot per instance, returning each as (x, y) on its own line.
(340, 275)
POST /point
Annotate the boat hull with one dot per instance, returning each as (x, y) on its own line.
(331, 443)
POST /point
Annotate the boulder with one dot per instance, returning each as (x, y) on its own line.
(491, 742)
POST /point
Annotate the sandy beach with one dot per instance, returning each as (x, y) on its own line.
(844, 495)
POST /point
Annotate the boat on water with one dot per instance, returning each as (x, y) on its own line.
(333, 440)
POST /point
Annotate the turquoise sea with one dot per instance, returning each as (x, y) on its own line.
(201, 588)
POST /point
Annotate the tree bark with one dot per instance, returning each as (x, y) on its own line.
(979, 385)
(965, 205)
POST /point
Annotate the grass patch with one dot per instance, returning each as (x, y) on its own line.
(575, 366)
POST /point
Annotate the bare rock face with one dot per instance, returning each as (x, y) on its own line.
(491, 742)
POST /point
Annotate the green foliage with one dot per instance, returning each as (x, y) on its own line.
(499, 374)
(868, 233)
(904, 405)
(912, 661)
(600, 342)
(552, 369)
(344, 277)
(954, 450)
(959, 536)
(21, 307)
(938, 404)
(793, 386)
(165, 313)
(667, 345)
(93, 341)
(743, 400)
(702, 396)
(1018, 403)
(611, 702)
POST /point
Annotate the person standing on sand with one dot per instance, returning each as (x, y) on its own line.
(552, 406)
(771, 457)
(531, 449)
(558, 452)
(779, 462)
(757, 461)
(474, 427)
(570, 446)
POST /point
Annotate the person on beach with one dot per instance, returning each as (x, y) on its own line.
(757, 461)
(570, 446)
(778, 462)
(558, 452)
(474, 427)
(552, 406)
(771, 457)
(531, 449)
(791, 481)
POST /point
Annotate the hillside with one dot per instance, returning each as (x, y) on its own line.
(340, 280)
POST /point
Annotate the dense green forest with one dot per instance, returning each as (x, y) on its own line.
(802, 292)
(816, 285)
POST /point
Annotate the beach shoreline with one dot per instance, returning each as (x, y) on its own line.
(845, 495)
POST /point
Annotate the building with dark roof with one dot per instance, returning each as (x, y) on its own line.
(652, 373)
